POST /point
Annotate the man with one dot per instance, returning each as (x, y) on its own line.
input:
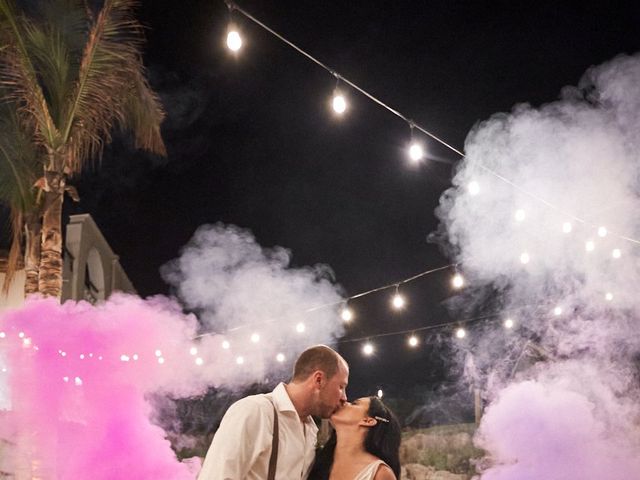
(241, 448)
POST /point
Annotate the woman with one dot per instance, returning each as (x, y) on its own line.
(364, 445)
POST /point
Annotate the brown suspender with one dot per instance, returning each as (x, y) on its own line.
(273, 460)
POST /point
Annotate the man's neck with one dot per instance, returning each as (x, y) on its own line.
(297, 396)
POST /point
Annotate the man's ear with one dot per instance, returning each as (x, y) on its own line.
(318, 378)
(368, 422)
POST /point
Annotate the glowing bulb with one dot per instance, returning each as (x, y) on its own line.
(100, 357)
(339, 103)
(160, 360)
(280, 357)
(367, 349)
(65, 379)
(193, 351)
(461, 333)
(82, 356)
(135, 356)
(226, 345)
(124, 358)
(4, 369)
(64, 354)
(255, 338)
(508, 323)
(457, 281)
(616, 253)
(608, 296)
(525, 258)
(77, 381)
(234, 40)
(473, 188)
(158, 353)
(346, 314)
(567, 227)
(520, 215)
(380, 393)
(413, 341)
(3, 335)
(199, 361)
(602, 232)
(21, 334)
(300, 328)
(416, 152)
(557, 311)
(590, 246)
(26, 342)
(398, 301)
(240, 360)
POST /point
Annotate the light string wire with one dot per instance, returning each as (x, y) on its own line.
(232, 6)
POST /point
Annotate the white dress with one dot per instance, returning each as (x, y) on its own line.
(368, 472)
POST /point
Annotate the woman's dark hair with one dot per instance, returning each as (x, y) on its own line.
(382, 440)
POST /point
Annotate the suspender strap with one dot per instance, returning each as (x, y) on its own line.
(273, 460)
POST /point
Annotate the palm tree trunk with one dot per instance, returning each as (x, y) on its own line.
(50, 272)
(32, 228)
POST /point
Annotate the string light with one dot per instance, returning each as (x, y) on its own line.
(300, 328)
(380, 393)
(413, 341)
(21, 334)
(135, 356)
(160, 360)
(226, 345)
(240, 360)
(608, 296)
(473, 188)
(234, 40)
(193, 351)
(415, 153)
(346, 313)
(158, 353)
(590, 246)
(124, 358)
(199, 361)
(255, 338)
(280, 357)
(525, 258)
(461, 333)
(368, 349)
(508, 323)
(602, 232)
(457, 281)
(567, 227)
(557, 311)
(77, 381)
(616, 253)
(398, 300)
(3, 335)
(520, 215)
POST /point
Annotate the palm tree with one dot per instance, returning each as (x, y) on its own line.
(73, 73)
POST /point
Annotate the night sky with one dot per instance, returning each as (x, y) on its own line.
(251, 140)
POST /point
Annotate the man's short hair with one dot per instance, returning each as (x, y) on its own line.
(315, 358)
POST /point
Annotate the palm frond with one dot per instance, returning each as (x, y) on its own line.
(110, 76)
(18, 76)
(15, 252)
(143, 115)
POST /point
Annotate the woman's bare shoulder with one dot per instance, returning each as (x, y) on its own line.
(384, 473)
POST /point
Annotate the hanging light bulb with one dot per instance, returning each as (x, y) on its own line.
(616, 253)
(508, 323)
(380, 393)
(239, 360)
(300, 328)
(226, 345)
(520, 215)
(368, 349)
(398, 300)
(567, 227)
(457, 281)
(557, 311)
(608, 296)
(461, 333)
(193, 351)
(339, 102)
(590, 245)
(255, 338)
(416, 152)
(234, 40)
(280, 357)
(413, 341)
(346, 313)
(473, 188)
(525, 258)
(199, 361)
(602, 232)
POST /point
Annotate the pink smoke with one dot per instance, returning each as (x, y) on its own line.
(78, 376)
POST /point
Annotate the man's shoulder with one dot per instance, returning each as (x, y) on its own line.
(261, 401)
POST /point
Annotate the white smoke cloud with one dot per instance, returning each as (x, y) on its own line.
(241, 291)
(575, 161)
